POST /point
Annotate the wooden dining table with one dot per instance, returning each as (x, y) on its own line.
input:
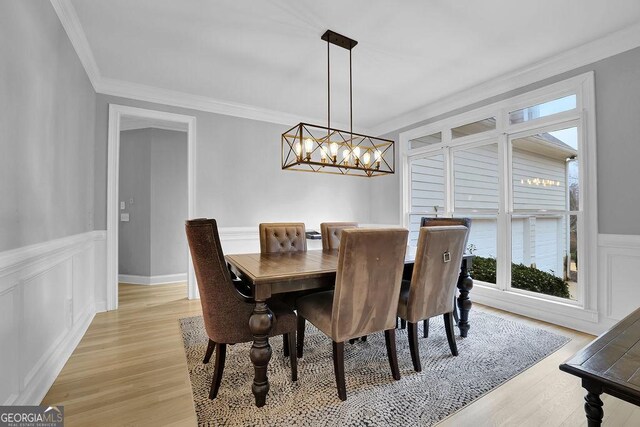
(279, 273)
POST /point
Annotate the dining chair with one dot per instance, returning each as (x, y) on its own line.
(277, 237)
(331, 232)
(365, 298)
(439, 222)
(433, 283)
(225, 311)
(282, 237)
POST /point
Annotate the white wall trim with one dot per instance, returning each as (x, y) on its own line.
(113, 177)
(162, 96)
(613, 44)
(60, 275)
(71, 24)
(19, 258)
(45, 374)
(152, 280)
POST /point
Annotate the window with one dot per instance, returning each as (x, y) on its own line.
(519, 180)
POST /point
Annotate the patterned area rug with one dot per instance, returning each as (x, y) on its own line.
(495, 350)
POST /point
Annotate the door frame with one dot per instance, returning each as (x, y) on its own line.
(116, 111)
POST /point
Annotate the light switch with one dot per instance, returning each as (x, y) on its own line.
(124, 217)
(121, 206)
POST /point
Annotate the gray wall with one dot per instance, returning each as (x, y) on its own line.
(238, 180)
(134, 237)
(153, 171)
(47, 119)
(617, 82)
(169, 198)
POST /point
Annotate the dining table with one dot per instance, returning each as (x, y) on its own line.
(270, 274)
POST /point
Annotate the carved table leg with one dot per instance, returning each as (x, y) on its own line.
(593, 404)
(260, 325)
(465, 284)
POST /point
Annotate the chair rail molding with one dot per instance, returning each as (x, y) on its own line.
(47, 302)
(618, 258)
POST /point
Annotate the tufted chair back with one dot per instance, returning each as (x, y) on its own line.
(282, 237)
(433, 283)
(368, 281)
(331, 232)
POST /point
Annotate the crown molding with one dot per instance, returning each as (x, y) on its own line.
(71, 24)
(613, 44)
(158, 95)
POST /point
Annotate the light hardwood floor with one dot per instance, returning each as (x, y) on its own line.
(130, 369)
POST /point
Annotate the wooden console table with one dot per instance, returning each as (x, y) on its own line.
(611, 365)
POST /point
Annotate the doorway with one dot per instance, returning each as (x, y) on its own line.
(120, 118)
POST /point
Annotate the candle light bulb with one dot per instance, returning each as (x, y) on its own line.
(308, 145)
(346, 154)
(356, 152)
(378, 156)
(366, 158)
(334, 148)
(298, 148)
(323, 152)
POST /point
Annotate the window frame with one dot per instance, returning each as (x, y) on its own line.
(583, 116)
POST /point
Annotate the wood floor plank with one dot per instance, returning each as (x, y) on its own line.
(130, 369)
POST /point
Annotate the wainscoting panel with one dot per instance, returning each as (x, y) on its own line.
(46, 305)
(619, 257)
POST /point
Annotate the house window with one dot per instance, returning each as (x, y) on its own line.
(519, 176)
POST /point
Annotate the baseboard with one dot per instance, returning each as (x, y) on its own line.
(152, 280)
(47, 373)
(101, 306)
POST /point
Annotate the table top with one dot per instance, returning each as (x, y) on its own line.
(612, 359)
(268, 268)
(274, 267)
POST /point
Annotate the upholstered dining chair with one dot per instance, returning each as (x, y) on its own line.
(277, 237)
(365, 297)
(225, 311)
(433, 283)
(440, 222)
(282, 237)
(331, 232)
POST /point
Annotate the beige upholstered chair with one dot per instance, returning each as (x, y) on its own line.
(282, 237)
(278, 237)
(225, 311)
(439, 222)
(365, 298)
(433, 283)
(331, 232)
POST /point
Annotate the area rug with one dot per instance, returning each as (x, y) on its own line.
(496, 350)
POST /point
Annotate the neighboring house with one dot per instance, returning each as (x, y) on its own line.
(540, 183)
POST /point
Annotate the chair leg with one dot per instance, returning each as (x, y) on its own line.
(285, 345)
(364, 338)
(291, 337)
(413, 346)
(403, 324)
(338, 367)
(390, 341)
(455, 311)
(448, 326)
(425, 328)
(209, 352)
(221, 352)
(300, 338)
(352, 340)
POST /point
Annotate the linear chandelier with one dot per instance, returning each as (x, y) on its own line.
(313, 148)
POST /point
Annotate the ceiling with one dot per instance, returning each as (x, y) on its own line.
(268, 54)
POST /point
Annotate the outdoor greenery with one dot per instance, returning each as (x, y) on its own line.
(522, 277)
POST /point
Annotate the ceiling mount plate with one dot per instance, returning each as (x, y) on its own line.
(339, 40)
